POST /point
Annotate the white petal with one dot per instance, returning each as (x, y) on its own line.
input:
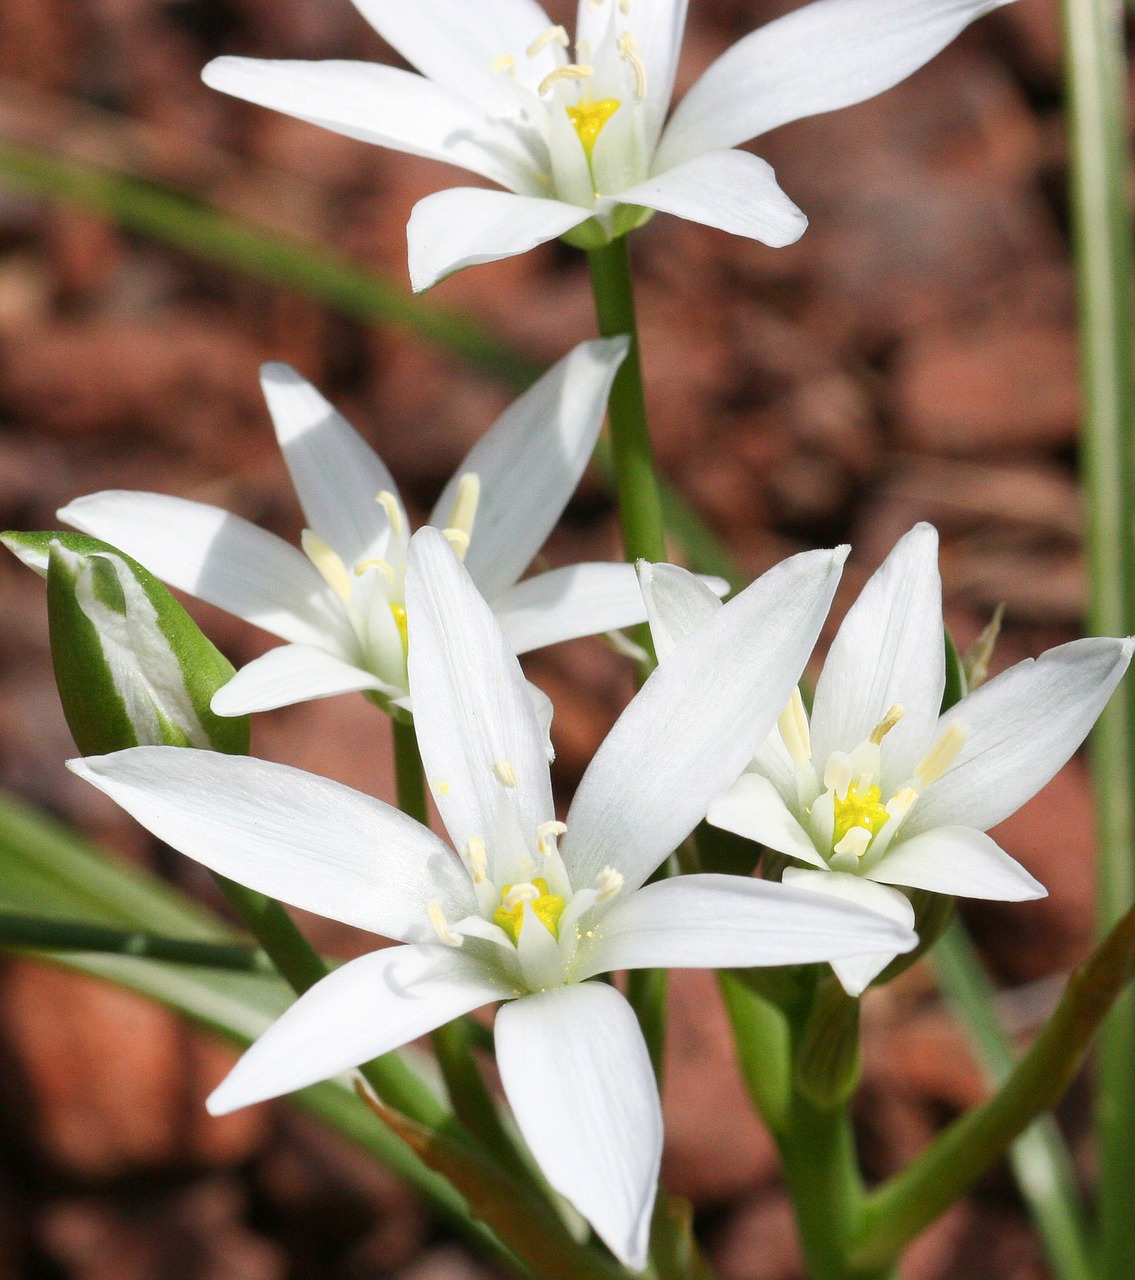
(889, 649)
(1023, 726)
(578, 1078)
(731, 190)
(370, 1006)
(753, 808)
(306, 840)
(465, 226)
(695, 724)
(456, 43)
(545, 713)
(960, 862)
(677, 602)
(580, 600)
(856, 973)
(817, 58)
(217, 557)
(716, 922)
(381, 105)
(290, 674)
(530, 463)
(337, 475)
(472, 708)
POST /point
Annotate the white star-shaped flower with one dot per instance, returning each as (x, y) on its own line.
(577, 133)
(530, 909)
(876, 788)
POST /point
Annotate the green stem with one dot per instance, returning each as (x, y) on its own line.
(1097, 113)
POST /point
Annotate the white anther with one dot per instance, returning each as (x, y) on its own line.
(458, 539)
(331, 568)
(547, 833)
(837, 773)
(465, 504)
(887, 723)
(441, 925)
(503, 64)
(942, 755)
(898, 806)
(553, 35)
(517, 894)
(506, 772)
(573, 71)
(794, 730)
(628, 51)
(854, 843)
(383, 566)
(610, 882)
(393, 508)
(477, 859)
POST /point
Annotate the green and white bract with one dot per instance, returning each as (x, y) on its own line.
(340, 603)
(576, 132)
(529, 909)
(876, 788)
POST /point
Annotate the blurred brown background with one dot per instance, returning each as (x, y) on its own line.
(913, 357)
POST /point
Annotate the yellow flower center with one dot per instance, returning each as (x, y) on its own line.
(589, 119)
(859, 809)
(548, 908)
(399, 613)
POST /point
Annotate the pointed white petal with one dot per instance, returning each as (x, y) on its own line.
(337, 475)
(695, 724)
(578, 1078)
(1023, 726)
(817, 58)
(530, 463)
(370, 1006)
(545, 713)
(217, 557)
(856, 973)
(465, 226)
(456, 43)
(290, 674)
(306, 840)
(472, 709)
(381, 105)
(717, 922)
(580, 600)
(957, 861)
(753, 808)
(889, 649)
(731, 190)
(677, 602)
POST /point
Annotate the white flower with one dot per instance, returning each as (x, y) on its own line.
(577, 136)
(340, 604)
(876, 788)
(533, 908)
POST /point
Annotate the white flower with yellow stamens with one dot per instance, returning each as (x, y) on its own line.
(876, 788)
(532, 909)
(340, 604)
(577, 133)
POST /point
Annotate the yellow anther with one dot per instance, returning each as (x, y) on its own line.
(547, 834)
(439, 787)
(477, 859)
(441, 925)
(399, 612)
(506, 772)
(331, 568)
(465, 504)
(458, 539)
(553, 35)
(610, 882)
(589, 118)
(794, 730)
(393, 508)
(898, 806)
(503, 64)
(383, 566)
(858, 810)
(573, 71)
(887, 723)
(547, 907)
(942, 755)
(628, 51)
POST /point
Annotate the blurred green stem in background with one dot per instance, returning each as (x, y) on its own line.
(1098, 131)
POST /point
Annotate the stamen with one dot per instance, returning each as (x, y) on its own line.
(383, 566)
(506, 772)
(595, 5)
(465, 504)
(441, 927)
(794, 729)
(898, 806)
(942, 755)
(980, 653)
(518, 893)
(837, 773)
(553, 35)
(393, 508)
(477, 859)
(887, 723)
(546, 835)
(855, 842)
(573, 71)
(439, 786)
(399, 612)
(331, 568)
(503, 64)
(610, 882)
(628, 51)
(624, 7)
(458, 539)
